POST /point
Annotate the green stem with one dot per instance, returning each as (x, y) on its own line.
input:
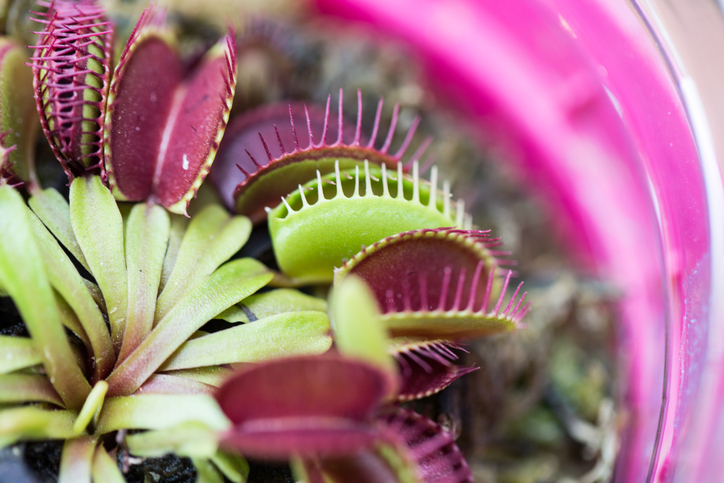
(98, 227)
(147, 231)
(175, 236)
(206, 472)
(233, 466)
(23, 275)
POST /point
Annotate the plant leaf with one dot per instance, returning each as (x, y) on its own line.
(179, 224)
(272, 303)
(17, 353)
(196, 126)
(54, 211)
(147, 231)
(147, 74)
(282, 335)
(190, 439)
(21, 388)
(158, 411)
(98, 227)
(359, 208)
(426, 366)
(73, 289)
(105, 469)
(212, 375)
(172, 384)
(23, 276)
(76, 460)
(33, 423)
(420, 445)
(233, 466)
(17, 109)
(307, 406)
(70, 321)
(206, 472)
(92, 406)
(358, 331)
(71, 76)
(183, 126)
(438, 284)
(226, 286)
(212, 237)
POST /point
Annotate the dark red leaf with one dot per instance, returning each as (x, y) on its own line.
(141, 99)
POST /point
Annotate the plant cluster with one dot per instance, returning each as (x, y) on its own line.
(117, 283)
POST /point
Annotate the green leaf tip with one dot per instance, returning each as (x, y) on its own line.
(358, 330)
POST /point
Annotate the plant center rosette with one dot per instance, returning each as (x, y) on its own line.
(117, 285)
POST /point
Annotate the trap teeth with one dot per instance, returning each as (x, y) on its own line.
(437, 284)
(268, 151)
(319, 226)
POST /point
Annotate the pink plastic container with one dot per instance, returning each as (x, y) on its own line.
(608, 134)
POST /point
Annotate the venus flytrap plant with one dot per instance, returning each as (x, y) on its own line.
(354, 432)
(426, 367)
(425, 281)
(415, 450)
